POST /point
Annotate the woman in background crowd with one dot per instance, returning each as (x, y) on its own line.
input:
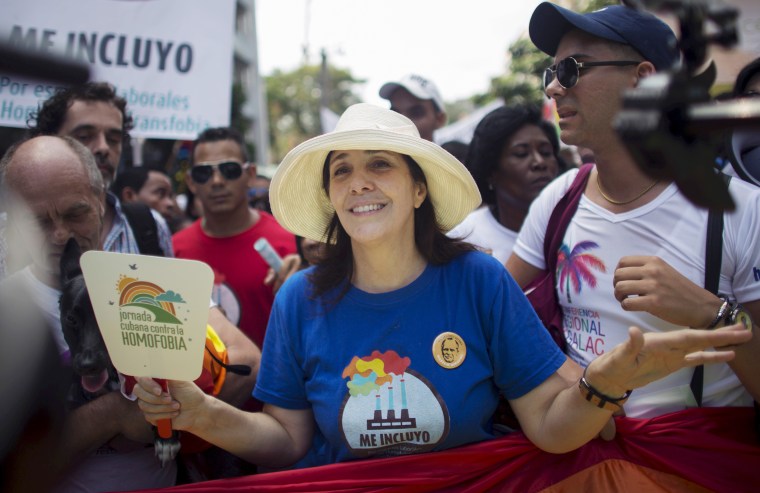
(513, 155)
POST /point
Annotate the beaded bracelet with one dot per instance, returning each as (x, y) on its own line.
(722, 311)
(600, 400)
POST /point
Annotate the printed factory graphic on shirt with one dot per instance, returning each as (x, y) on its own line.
(583, 327)
(390, 409)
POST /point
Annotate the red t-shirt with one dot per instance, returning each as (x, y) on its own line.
(239, 271)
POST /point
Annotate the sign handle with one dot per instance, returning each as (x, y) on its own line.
(164, 425)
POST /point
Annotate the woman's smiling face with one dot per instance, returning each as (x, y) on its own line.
(374, 195)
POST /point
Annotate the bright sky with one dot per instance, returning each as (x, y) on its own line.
(458, 44)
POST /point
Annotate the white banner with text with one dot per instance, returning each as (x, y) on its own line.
(170, 59)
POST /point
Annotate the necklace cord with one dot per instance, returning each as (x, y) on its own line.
(622, 202)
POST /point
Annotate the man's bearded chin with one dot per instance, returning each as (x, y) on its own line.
(107, 171)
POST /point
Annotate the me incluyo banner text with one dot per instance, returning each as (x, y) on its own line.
(170, 59)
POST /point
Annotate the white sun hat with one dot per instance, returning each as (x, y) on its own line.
(300, 204)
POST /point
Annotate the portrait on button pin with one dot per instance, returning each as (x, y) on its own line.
(449, 350)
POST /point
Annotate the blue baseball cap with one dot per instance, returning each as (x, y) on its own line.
(642, 31)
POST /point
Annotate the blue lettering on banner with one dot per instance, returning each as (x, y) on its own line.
(119, 50)
(150, 99)
(172, 123)
(14, 112)
(110, 49)
(9, 86)
(29, 40)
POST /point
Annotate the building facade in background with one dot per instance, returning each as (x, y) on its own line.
(246, 73)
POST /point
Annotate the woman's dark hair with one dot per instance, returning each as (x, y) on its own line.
(134, 178)
(337, 266)
(49, 117)
(492, 134)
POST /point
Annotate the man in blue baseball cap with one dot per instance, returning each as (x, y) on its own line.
(634, 252)
(651, 38)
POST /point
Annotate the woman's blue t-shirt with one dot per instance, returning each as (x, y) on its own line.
(375, 368)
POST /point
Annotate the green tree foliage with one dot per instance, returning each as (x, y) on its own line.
(591, 5)
(294, 100)
(523, 81)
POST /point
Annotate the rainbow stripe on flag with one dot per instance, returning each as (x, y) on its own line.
(696, 450)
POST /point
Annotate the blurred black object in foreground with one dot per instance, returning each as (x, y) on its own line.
(28, 63)
(669, 123)
(33, 389)
(33, 383)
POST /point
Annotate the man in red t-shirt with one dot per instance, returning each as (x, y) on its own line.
(224, 236)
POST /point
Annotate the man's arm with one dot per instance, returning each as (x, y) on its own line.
(241, 351)
(651, 285)
(522, 272)
(95, 423)
(557, 417)
(276, 437)
(291, 264)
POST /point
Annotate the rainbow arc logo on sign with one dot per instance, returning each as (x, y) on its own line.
(149, 296)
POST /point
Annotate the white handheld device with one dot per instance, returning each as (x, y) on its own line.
(268, 254)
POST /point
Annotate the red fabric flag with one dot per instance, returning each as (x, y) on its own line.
(703, 449)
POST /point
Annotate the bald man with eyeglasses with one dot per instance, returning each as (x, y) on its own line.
(94, 115)
(634, 252)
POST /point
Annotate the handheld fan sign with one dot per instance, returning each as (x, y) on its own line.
(152, 312)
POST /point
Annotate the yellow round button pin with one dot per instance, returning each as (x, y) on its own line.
(449, 350)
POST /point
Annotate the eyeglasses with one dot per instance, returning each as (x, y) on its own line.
(568, 70)
(230, 170)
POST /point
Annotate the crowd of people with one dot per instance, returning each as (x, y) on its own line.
(399, 302)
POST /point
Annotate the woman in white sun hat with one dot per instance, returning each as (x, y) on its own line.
(400, 340)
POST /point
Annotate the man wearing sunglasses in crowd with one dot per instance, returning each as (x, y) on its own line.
(220, 177)
(634, 252)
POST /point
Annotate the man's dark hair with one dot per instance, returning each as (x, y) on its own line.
(217, 134)
(336, 267)
(457, 149)
(492, 134)
(49, 117)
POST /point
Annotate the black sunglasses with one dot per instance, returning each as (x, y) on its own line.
(230, 170)
(568, 70)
